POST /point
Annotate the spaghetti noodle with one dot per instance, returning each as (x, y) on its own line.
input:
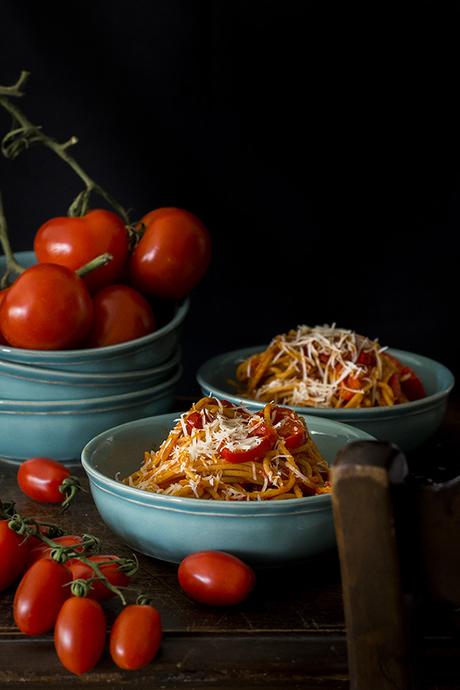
(327, 366)
(220, 451)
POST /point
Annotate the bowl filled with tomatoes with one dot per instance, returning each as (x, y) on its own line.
(392, 394)
(169, 527)
(90, 325)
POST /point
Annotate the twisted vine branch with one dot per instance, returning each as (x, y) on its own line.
(24, 134)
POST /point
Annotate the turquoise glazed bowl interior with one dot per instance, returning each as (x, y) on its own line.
(60, 429)
(171, 527)
(146, 352)
(408, 425)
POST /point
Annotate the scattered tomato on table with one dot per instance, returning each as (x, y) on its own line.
(135, 636)
(216, 578)
(79, 634)
(47, 481)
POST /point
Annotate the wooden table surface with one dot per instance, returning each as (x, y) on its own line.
(289, 634)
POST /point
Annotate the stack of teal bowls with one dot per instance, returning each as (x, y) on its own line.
(53, 402)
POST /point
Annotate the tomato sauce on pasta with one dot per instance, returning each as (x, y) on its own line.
(221, 451)
(327, 366)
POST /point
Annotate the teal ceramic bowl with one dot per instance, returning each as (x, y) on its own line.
(171, 527)
(60, 429)
(146, 352)
(28, 383)
(408, 425)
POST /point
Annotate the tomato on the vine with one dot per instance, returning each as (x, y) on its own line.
(73, 242)
(14, 551)
(40, 595)
(41, 478)
(216, 578)
(120, 314)
(173, 254)
(42, 550)
(48, 307)
(111, 571)
(79, 634)
(135, 636)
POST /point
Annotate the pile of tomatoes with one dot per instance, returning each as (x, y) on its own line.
(62, 583)
(51, 306)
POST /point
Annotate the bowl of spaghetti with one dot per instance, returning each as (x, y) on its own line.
(219, 477)
(336, 373)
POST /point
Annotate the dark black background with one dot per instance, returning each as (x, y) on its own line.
(318, 143)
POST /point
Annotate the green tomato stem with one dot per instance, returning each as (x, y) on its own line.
(101, 260)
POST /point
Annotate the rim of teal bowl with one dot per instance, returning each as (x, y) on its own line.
(182, 309)
(134, 494)
(23, 371)
(71, 406)
(206, 384)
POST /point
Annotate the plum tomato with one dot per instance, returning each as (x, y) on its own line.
(48, 307)
(14, 551)
(42, 550)
(216, 578)
(40, 595)
(120, 314)
(135, 636)
(79, 634)
(41, 478)
(173, 254)
(111, 571)
(73, 242)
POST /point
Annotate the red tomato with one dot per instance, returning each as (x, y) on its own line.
(43, 551)
(98, 590)
(40, 595)
(135, 636)
(47, 308)
(256, 452)
(216, 578)
(14, 551)
(73, 242)
(173, 254)
(2, 297)
(79, 634)
(193, 421)
(40, 479)
(350, 382)
(412, 386)
(120, 313)
(290, 427)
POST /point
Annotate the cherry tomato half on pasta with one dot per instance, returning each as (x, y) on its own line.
(216, 578)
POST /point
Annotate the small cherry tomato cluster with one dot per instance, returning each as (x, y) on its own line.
(96, 278)
(63, 584)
